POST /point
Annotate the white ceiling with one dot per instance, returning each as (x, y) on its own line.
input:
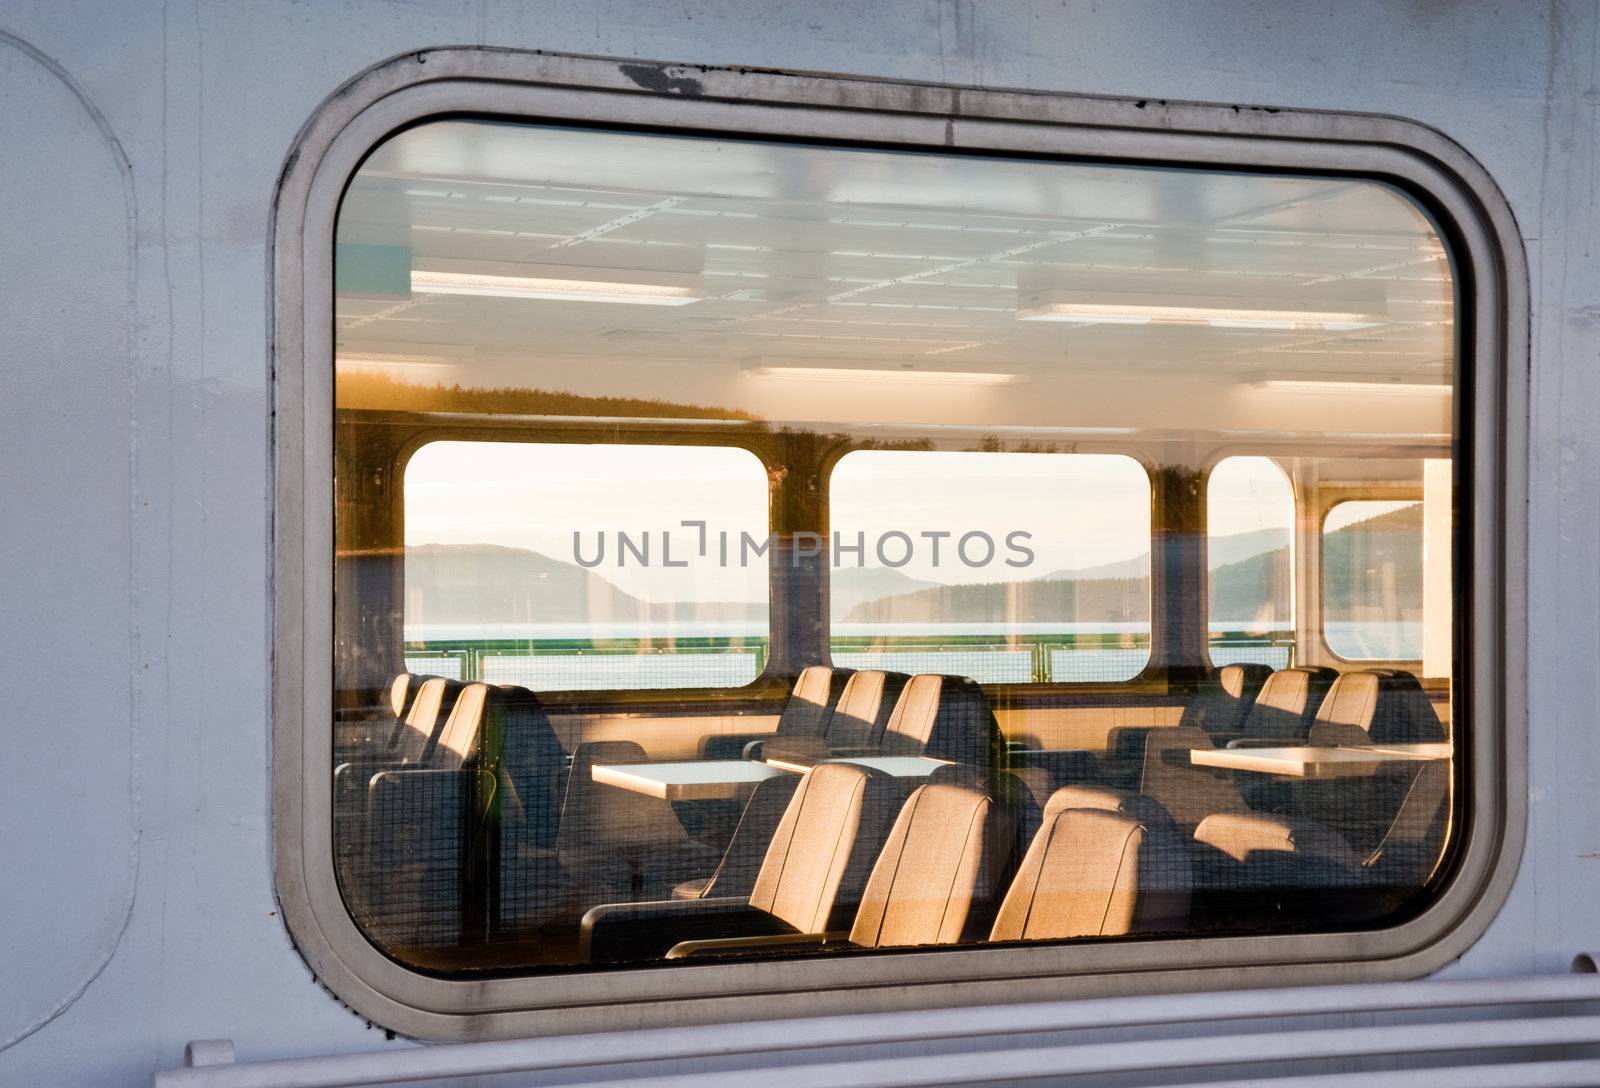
(858, 257)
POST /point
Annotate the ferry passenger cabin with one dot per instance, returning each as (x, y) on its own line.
(752, 549)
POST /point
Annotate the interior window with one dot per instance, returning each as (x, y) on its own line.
(1372, 579)
(755, 549)
(1249, 562)
(1005, 567)
(568, 567)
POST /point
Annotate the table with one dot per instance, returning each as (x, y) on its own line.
(1313, 762)
(895, 766)
(689, 780)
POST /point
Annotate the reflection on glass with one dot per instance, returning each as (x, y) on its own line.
(752, 550)
(1372, 580)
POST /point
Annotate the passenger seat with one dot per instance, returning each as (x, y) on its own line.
(855, 726)
(1104, 863)
(806, 713)
(811, 876)
(934, 882)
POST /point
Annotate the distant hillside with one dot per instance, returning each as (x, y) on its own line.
(486, 583)
(1380, 558)
(851, 586)
(1220, 551)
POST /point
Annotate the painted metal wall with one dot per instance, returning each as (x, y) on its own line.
(141, 145)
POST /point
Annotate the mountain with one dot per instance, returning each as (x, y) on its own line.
(487, 583)
(851, 586)
(1220, 551)
(1379, 559)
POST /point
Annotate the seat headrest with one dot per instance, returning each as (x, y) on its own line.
(1287, 701)
(1146, 810)
(1243, 680)
(864, 707)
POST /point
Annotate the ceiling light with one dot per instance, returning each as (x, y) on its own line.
(560, 290)
(1356, 386)
(869, 374)
(1217, 317)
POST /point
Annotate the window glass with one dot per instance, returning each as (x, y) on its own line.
(564, 567)
(1372, 580)
(1249, 567)
(683, 482)
(1005, 567)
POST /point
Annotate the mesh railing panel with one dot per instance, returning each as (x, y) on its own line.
(1096, 664)
(1227, 653)
(608, 671)
(984, 666)
(448, 666)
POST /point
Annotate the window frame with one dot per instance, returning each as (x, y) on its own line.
(1490, 467)
(1328, 500)
(1149, 672)
(763, 683)
(1296, 561)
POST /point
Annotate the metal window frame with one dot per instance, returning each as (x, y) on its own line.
(751, 103)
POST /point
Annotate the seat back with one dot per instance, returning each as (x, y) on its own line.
(1355, 703)
(1255, 870)
(434, 701)
(865, 705)
(823, 848)
(1284, 708)
(944, 716)
(397, 700)
(936, 879)
(1095, 872)
(810, 701)
(532, 767)
(747, 849)
(1221, 706)
(459, 740)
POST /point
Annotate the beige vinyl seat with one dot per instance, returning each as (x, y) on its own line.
(856, 722)
(1280, 712)
(1218, 709)
(1370, 707)
(810, 880)
(1258, 870)
(423, 827)
(806, 713)
(1104, 863)
(409, 742)
(934, 881)
(946, 717)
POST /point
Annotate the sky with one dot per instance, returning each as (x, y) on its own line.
(1078, 510)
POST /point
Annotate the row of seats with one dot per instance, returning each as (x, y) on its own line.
(835, 712)
(467, 819)
(854, 862)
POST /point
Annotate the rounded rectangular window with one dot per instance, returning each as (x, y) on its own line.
(715, 517)
(1005, 567)
(1249, 563)
(566, 567)
(1372, 579)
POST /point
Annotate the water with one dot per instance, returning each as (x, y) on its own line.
(734, 666)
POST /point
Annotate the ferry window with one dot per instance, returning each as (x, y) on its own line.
(1372, 580)
(565, 567)
(1249, 564)
(723, 528)
(1004, 567)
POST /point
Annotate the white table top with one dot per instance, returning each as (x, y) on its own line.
(898, 766)
(1317, 762)
(688, 780)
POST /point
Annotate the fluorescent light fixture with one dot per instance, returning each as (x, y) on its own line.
(559, 290)
(1217, 317)
(786, 372)
(1356, 386)
(409, 359)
